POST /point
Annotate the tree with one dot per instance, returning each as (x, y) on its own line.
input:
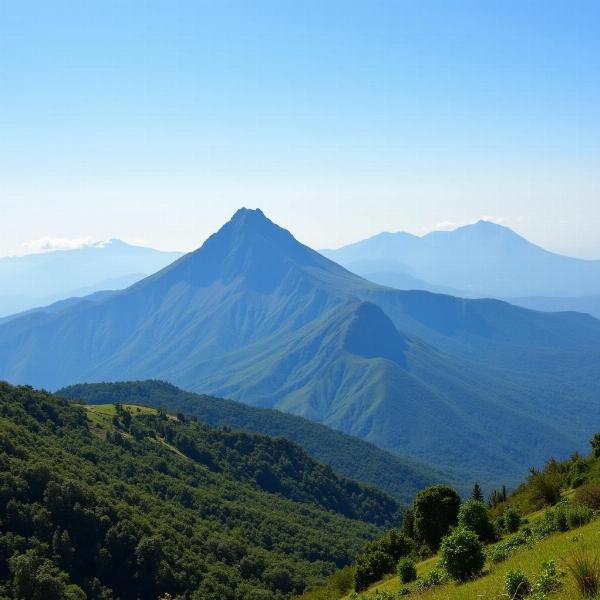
(512, 519)
(474, 516)
(595, 443)
(407, 570)
(462, 554)
(370, 568)
(477, 494)
(435, 510)
(37, 578)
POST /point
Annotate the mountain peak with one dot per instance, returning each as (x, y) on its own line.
(249, 247)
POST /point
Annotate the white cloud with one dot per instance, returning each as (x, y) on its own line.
(47, 244)
(445, 226)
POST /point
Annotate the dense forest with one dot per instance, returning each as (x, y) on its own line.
(130, 502)
(400, 477)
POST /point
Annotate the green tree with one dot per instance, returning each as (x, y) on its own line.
(477, 494)
(435, 510)
(474, 516)
(462, 554)
(37, 578)
(407, 570)
(595, 443)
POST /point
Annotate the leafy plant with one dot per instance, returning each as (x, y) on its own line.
(474, 516)
(517, 585)
(462, 554)
(588, 495)
(407, 570)
(511, 519)
(549, 579)
(432, 579)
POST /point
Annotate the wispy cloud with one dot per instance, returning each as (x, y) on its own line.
(47, 244)
(451, 225)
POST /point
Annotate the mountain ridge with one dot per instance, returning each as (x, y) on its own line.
(217, 322)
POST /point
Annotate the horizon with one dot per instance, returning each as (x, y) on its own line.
(48, 245)
(154, 125)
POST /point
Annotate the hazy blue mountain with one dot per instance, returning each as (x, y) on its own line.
(348, 455)
(477, 385)
(41, 279)
(483, 259)
(584, 304)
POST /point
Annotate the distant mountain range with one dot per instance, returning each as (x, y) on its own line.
(253, 315)
(39, 279)
(479, 260)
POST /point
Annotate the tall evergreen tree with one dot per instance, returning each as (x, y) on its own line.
(477, 494)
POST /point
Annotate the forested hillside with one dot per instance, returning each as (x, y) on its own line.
(129, 502)
(347, 455)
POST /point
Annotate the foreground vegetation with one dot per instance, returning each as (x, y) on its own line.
(541, 542)
(128, 502)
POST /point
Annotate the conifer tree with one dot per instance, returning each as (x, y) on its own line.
(477, 494)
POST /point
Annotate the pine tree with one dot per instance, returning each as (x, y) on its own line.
(477, 494)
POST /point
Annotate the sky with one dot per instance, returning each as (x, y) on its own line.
(153, 121)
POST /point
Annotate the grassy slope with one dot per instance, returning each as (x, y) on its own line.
(558, 547)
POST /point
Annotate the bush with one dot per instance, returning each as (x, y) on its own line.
(517, 585)
(549, 579)
(585, 570)
(432, 579)
(435, 510)
(462, 554)
(407, 570)
(474, 516)
(545, 488)
(588, 495)
(511, 520)
(579, 515)
(370, 568)
(498, 554)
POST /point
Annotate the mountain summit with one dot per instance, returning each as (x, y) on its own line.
(484, 259)
(256, 316)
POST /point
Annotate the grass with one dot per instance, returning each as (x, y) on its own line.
(561, 547)
(100, 416)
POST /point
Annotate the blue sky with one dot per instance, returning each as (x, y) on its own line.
(154, 121)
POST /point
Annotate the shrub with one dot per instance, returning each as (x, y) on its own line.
(342, 580)
(547, 525)
(432, 579)
(561, 522)
(462, 554)
(404, 591)
(588, 495)
(549, 579)
(585, 570)
(511, 519)
(517, 585)
(435, 510)
(370, 568)
(474, 516)
(407, 570)
(545, 488)
(498, 554)
(579, 515)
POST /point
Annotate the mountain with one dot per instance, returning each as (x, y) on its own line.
(40, 279)
(128, 502)
(347, 455)
(479, 386)
(584, 304)
(483, 259)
